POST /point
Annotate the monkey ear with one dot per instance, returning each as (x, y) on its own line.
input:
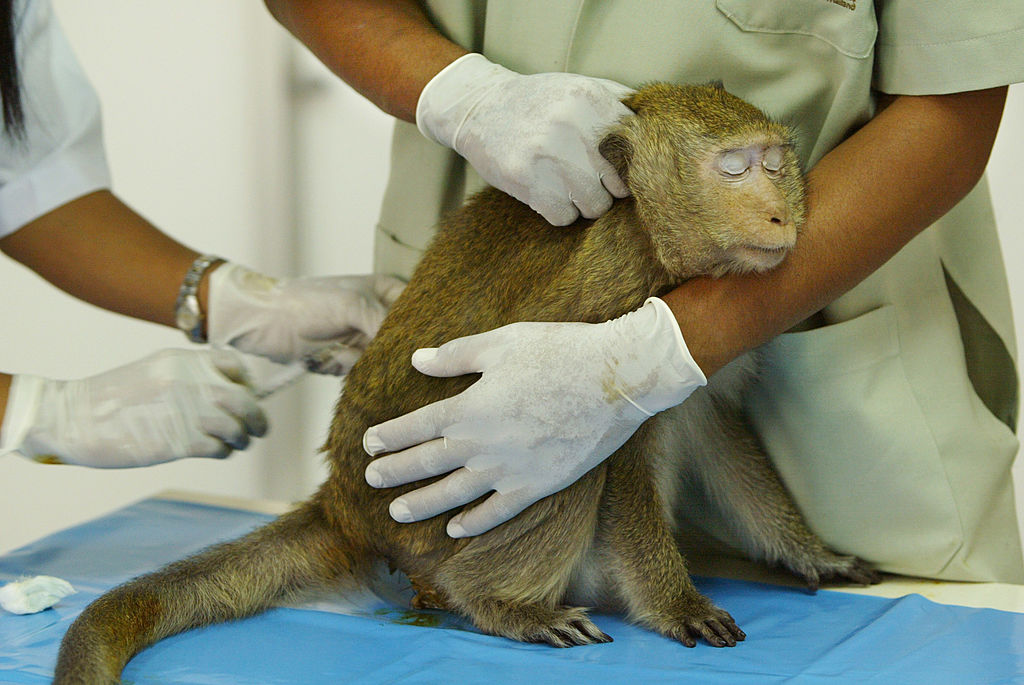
(619, 152)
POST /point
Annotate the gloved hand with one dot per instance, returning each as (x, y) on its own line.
(534, 137)
(169, 405)
(325, 322)
(554, 400)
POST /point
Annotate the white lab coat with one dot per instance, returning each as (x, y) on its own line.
(61, 156)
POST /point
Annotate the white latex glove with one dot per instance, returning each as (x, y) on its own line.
(554, 400)
(169, 405)
(324, 322)
(534, 137)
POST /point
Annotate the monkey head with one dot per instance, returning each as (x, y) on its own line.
(735, 195)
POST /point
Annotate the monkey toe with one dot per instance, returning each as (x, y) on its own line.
(574, 634)
(862, 574)
(555, 626)
(715, 626)
(592, 632)
(833, 569)
(841, 570)
(422, 600)
(426, 597)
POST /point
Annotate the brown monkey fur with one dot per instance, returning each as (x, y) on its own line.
(607, 540)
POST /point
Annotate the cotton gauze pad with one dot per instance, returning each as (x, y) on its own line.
(34, 594)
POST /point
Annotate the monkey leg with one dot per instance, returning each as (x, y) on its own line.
(739, 481)
(273, 564)
(648, 571)
(512, 581)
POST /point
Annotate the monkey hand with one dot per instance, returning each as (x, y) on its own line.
(553, 401)
(169, 405)
(534, 137)
(324, 322)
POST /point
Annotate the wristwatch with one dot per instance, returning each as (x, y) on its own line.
(187, 314)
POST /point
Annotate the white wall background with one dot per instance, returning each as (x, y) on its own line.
(233, 140)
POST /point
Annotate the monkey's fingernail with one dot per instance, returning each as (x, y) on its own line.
(456, 530)
(373, 477)
(372, 444)
(400, 511)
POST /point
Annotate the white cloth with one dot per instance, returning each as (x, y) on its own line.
(61, 156)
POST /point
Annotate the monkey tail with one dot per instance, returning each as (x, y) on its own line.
(280, 562)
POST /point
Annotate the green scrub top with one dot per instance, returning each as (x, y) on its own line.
(893, 423)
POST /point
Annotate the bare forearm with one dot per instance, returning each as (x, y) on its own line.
(5, 388)
(867, 199)
(100, 251)
(386, 50)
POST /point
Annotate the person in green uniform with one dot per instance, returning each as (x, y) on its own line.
(890, 403)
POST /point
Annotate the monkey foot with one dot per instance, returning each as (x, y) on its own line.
(715, 625)
(834, 568)
(426, 597)
(558, 626)
(566, 627)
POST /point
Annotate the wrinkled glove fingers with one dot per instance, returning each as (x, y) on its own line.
(426, 460)
(592, 200)
(609, 178)
(229, 364)
(458, 357)
(240, 404)
(387, 288)
(551, 197)
(227, 431)
(461, 487)
(495, 510)
(208, 447)
(419, 426)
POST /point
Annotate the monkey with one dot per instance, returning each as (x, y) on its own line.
(716, 188)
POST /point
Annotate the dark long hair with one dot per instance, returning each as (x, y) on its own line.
(10, 85)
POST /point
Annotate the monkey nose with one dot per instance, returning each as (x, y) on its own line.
(780, 215)
(777, 230)
(784, 228)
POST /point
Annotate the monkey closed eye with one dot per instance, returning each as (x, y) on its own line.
(736, 163)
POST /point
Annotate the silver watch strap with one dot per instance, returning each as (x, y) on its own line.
(187, 314)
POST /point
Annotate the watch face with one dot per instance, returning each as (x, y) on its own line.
(187, 316)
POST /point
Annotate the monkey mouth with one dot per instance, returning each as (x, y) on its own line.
(760, 257)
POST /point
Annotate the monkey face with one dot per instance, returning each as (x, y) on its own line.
(754, 202)
(734, 200)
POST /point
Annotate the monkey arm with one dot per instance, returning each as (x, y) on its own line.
(867, 198)
(387, 51)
